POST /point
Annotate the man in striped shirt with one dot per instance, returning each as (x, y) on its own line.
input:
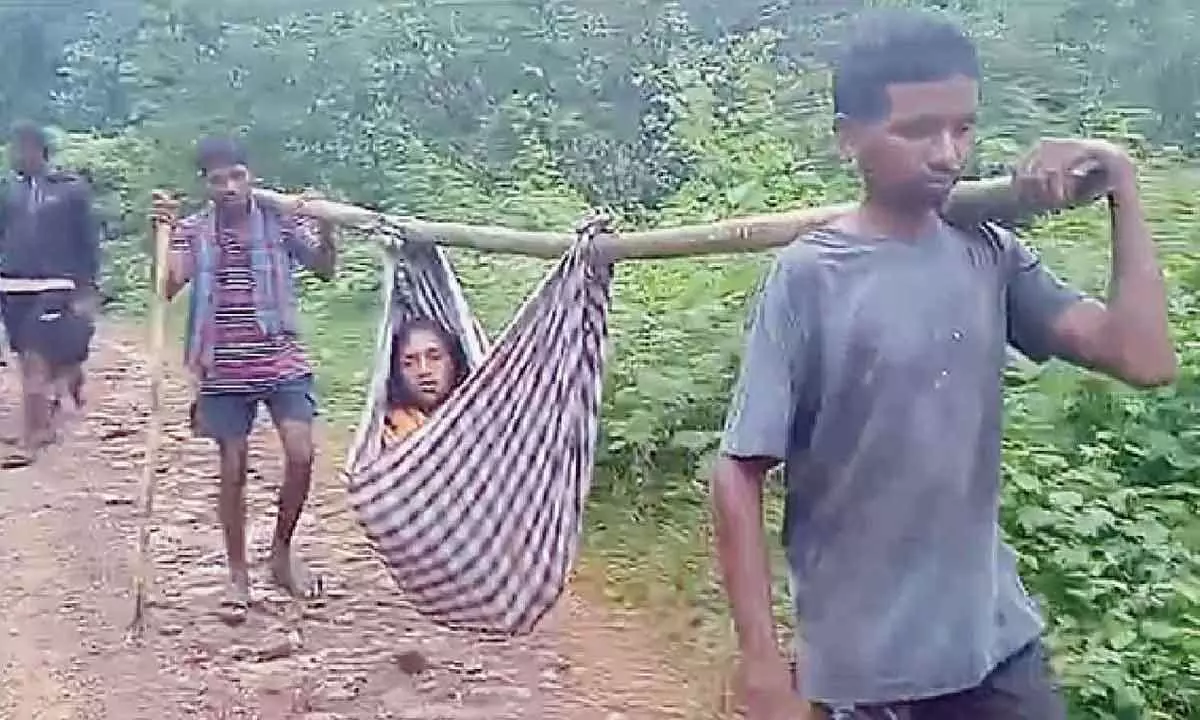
(242, 346)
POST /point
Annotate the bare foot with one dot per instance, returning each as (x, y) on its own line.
(290, 574)
(235, 605)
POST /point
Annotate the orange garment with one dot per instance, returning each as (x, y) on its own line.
(400, 423)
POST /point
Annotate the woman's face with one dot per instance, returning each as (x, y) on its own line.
(427, 368)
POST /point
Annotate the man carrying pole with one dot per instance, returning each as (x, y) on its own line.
(873, 370)
(242, 345)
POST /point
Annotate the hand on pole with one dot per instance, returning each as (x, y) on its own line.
(163, 208)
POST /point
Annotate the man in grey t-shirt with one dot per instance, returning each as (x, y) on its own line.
(873, 370)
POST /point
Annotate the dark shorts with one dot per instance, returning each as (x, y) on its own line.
(44, 323)
(1021, 688)
(230, 416)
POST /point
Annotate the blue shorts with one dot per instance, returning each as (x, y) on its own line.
(230, 416)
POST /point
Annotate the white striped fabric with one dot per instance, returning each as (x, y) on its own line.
(478, 515)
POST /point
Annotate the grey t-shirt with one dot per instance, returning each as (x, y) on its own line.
(873, 369)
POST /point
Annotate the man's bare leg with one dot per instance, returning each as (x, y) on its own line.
(287, 570)
(34, 407)
(36, 395)
(67, 383)
(75, 386)
(231, 508)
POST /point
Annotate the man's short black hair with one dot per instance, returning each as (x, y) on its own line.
(217, 152)
(897, 46)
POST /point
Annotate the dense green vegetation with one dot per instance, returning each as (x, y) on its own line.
(522, 112)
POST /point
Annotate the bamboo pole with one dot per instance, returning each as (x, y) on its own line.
(754, 233)
(143, 568)
(748, 234)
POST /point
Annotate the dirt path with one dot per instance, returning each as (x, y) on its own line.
(66, 537)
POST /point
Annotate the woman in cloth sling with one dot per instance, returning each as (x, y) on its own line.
(427, 364)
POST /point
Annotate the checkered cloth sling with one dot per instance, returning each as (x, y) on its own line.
(478, 514)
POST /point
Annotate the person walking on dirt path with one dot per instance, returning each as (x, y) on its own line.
(873, 371)
(49, 262)
(242, 346)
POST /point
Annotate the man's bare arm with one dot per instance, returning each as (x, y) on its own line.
(180, 261)
(313, 244)
(1128, 336)
(325, 255)
(737, 506)
(177, 280)
(179, 252)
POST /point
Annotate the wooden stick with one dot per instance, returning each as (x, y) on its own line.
(143, 569)
(747, 234)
